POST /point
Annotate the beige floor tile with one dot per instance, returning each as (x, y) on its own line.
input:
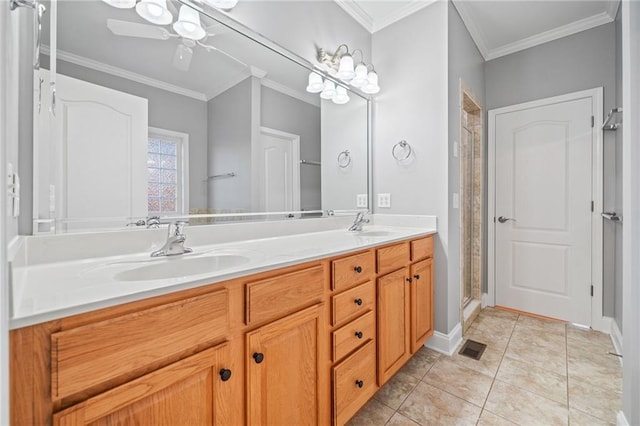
(488, 364)
(400, 420)
(534, 379)
(522, 407)
(576, 333)
(487, 418)
(396, 390)
(586, 348)
(459, 381)
(498, 326)
(428, 405)
(578, 418)
(542, 357)
(537, 338)
(485, 336)
(421, 362)
(374, 413)
(545, 325)
(598, 401)
(598, 370)
(499, 313)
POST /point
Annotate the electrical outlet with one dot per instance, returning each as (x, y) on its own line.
(456, 200)
(384, 201)
(361, 201)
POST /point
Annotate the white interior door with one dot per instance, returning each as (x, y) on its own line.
(543, 209)
(279, 165)
(101, 146)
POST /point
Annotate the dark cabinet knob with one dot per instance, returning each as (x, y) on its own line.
(409, 280)
(225, 374)
(358, 302)
(358, 269)
(416, 276)
(359, 334)
(258, 357)
(359, 383)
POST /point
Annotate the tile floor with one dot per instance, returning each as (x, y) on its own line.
(533, 372)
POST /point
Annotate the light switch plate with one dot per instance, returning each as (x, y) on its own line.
(384, 201)
(361, 201)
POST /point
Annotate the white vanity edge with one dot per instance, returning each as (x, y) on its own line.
(44, 251)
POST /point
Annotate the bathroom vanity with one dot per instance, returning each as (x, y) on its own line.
(306, 343)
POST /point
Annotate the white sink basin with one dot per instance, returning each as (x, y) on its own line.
(178, 266)
(371, 233)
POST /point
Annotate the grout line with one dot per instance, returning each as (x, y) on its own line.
(566, 363)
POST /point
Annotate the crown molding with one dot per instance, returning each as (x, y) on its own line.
(220, 89)
(357, 13)
(554, 34)
(310, 98)
(473, 29)
(400, 13)
(119, 72)
(612, 9)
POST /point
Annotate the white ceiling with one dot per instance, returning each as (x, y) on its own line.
(498, 27)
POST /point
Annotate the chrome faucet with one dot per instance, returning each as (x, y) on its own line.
(175, 241)
(358, 222)
(153, 222)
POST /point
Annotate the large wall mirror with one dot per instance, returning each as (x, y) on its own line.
(145, 122)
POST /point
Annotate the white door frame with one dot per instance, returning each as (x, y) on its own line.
(598, 321)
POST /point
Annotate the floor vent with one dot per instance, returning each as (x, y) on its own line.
(472, 349)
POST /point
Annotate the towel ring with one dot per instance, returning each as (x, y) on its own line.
(404, 154)
(344, 159)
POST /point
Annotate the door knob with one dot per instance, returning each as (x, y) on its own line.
(503, 219)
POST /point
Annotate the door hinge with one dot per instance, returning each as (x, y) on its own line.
(592, 205)
(593, 121)
(591, 290)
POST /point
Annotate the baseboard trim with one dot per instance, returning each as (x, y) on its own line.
(621, 420)
(603, 325)
(446, 343)
(616, 338)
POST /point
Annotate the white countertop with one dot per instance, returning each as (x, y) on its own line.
(47, 291)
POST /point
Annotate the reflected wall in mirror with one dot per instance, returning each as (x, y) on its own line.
(148, 123)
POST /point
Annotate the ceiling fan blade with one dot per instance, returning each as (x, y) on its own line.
(133, 29)
(210, 48)
(182, 57)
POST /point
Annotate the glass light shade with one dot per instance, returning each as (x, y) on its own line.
(188, 24)
(222, 4)
(345, 72)
(371, 87)
(341, 96)
(121, 4)
(315, 83)
(329, 90)
(154, 11)
(360, 78)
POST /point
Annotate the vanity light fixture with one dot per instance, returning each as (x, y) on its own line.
(371, 86)
(188, 24)
(154, 11)
(222, 4)
(329, 90)
(341, 96)
(315, 83)
(121, 4)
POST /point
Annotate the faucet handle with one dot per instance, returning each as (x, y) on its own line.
(179, 224)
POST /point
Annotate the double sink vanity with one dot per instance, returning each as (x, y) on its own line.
(298, 328)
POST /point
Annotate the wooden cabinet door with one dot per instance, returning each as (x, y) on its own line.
(183, 393)
(421, 303)
(283, 371)
(393, 323)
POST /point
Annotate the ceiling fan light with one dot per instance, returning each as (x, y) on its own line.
(371, 88)
(154, 11)
(188, 24)
(315, 83)
(341, 97)
(329, 90)
(345, 71)
(121, 4)
(222, 4)
(360, 78)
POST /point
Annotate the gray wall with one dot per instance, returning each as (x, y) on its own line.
(581, 61)
(411, 59)
(229, 118)
(281, 112)
(467, 64)
(618, 181)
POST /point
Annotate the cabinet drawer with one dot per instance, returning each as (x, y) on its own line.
(357, 370)
(350, 336)
(95, 353)
(393, 257)
(422, 248)
(353, 302)
(351, 270)
(275, 297)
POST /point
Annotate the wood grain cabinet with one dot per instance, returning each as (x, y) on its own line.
(421, 275)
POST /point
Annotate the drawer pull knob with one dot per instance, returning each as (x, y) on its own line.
(416, 276)
(359, 383)
(359, 334)
(409, 280)
(358, 302)
(358, 269)
(225, 374)
(258, 357)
